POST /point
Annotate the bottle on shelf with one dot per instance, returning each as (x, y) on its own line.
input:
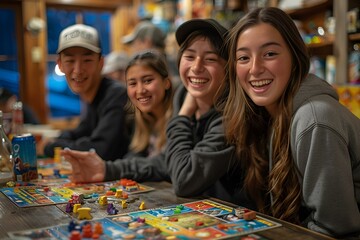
(6, 160)
(354, 64)
(17, 127)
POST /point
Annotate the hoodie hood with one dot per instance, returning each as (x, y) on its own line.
(313, 86)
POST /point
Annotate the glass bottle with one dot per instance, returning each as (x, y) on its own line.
(6, 161)
(17, 119)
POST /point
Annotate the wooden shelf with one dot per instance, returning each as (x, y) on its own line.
(320, 49)
(309, 9)
(95, 4)
(354, 37)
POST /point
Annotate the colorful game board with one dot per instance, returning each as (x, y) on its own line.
(29, 196)
(204, 219)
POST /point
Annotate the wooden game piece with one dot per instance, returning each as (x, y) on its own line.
(109, 193)
(103, 201)
(177, 210)
(173, 219)
(87, 231)
(118, 193)
(198, 223)
(181, 207)
(72, 226)
(123, 204)
(140, 220)
(69, 207)
(111, 210)
(250, 215)
(125, 195)
(57, 155)
(76, 207)
(142, 205)
(75, 235)
(84, 213)
(98, 228)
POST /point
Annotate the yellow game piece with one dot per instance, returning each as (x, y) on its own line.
(123, 204)
(84, 213)
(57, 156)
(76, 207)
(142, 205)
(118, 193)
(103, 200)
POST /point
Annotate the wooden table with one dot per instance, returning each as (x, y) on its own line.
(13, 218)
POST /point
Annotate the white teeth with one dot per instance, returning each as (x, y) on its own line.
(145, 99)
(198, 80)
(260, 83)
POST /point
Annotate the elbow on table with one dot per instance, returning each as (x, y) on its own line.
(182, 190)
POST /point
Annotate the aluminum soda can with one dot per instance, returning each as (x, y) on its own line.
(24, 155)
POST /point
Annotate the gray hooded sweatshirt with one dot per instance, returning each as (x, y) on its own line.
(325, 144)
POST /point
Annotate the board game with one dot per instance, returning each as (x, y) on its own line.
(44, 193)
(203, 219)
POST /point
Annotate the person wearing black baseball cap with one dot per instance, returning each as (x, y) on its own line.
(198, 158)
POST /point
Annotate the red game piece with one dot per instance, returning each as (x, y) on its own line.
(125, 195)
(75, 235)
(173, 219)
(199, 224)
(87, 231)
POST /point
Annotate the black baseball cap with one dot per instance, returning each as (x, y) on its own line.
(192, 25)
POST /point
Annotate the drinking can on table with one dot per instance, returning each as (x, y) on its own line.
(24, 155)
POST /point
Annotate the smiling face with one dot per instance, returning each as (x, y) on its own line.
(201, 70)
(82, 69)
(263, 65)
(146, 89)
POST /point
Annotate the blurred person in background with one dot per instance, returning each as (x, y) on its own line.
(147, 36)
(115, 65)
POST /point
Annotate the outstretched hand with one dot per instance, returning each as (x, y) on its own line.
(86, 166)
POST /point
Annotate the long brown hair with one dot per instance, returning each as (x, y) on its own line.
(250, 127)
(146, 124)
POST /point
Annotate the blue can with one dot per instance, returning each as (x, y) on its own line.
(24, 155)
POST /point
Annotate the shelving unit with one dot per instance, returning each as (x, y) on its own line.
(337, 45)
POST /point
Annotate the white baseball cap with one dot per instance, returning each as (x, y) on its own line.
(79, 35)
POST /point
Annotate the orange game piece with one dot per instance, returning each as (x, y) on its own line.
(109, 193)
(98, 228)
(125, 195)
(250, 215)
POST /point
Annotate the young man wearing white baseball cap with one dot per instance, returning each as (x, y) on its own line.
(103, 125)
